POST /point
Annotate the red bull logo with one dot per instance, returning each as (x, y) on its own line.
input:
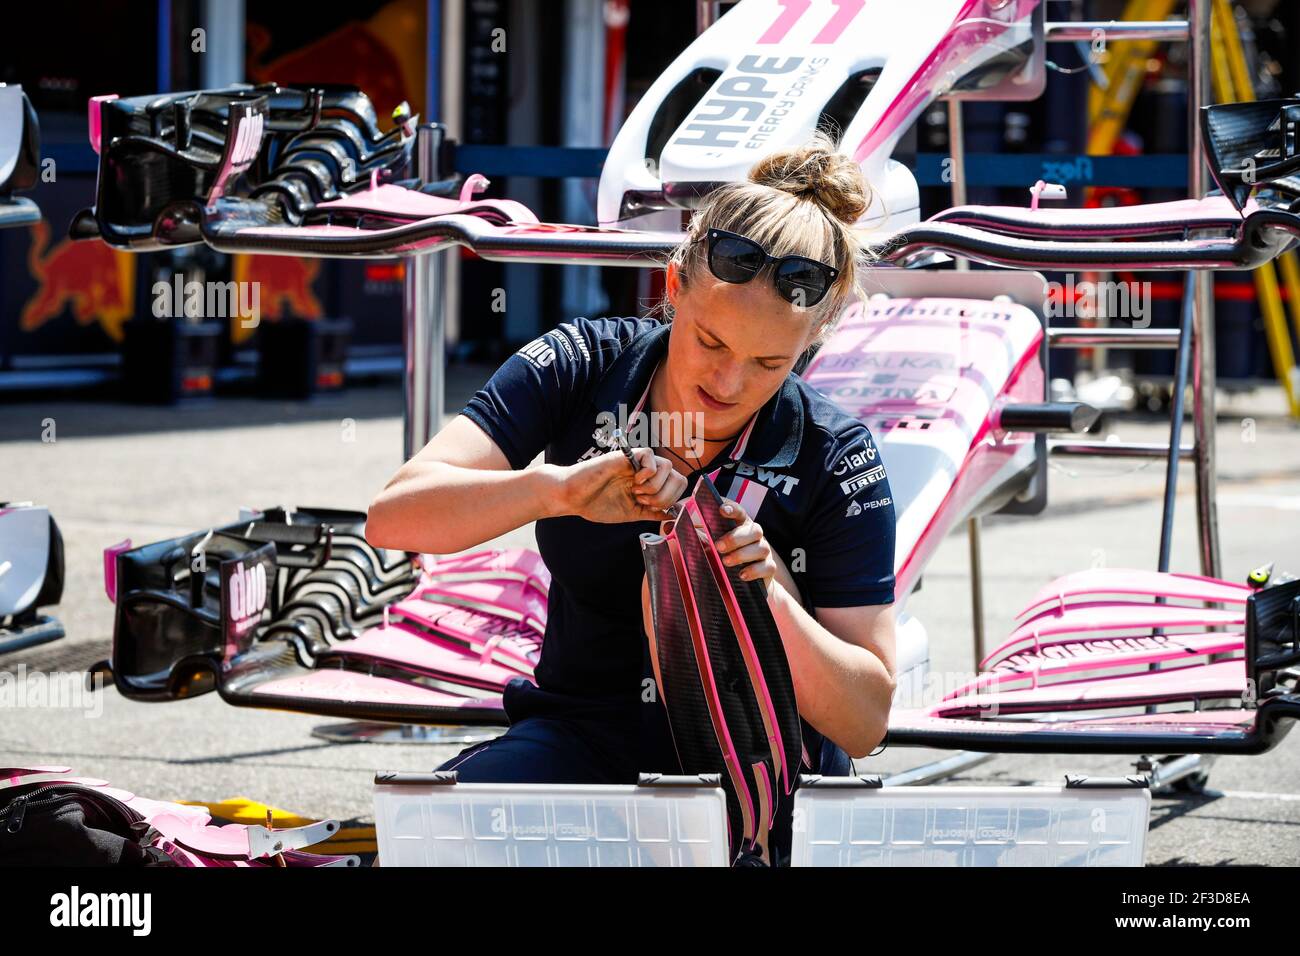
(284, 285)
(383, 55)
(92, 279)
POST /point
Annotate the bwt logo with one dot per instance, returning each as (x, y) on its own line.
(1115, 300)
(74, 908)
(208, 300)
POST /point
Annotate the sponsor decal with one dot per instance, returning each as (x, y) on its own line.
(1071, 650)
(921, 308)
(247, 595)
(538, 353)
(775, 480)
(245, 588)
(856, 507)
(750, 104)
(563, 339)
(856, 459)
(927, 392)
(578, 341)
(91, 279)
(855, 483)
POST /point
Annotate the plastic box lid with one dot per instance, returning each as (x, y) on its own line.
(428, 820)
(864, 825)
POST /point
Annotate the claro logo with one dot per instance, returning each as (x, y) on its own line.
(856, 459)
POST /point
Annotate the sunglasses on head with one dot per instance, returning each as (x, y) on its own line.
(799, 280)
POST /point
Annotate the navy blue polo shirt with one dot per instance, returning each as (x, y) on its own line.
(805, 470)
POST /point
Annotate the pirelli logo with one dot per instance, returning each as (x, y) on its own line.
(855, 483)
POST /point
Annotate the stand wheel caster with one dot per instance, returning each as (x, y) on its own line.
(1192, 783)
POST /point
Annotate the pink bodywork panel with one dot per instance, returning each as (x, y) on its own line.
(926, 376)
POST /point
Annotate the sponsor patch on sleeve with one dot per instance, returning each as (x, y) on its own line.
(855, 483)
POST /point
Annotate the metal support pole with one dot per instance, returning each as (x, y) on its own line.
(1082, 31)
(1176, 423)
(1091, 448)
(941, 769)
(976, 587)
(223, 63)
(1124, 338)
(423, 322)
(706, 14)
(957, 155)
(1203, 360)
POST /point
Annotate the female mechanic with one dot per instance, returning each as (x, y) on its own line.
(764, 270)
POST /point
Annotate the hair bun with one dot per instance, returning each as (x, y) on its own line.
(819, 172)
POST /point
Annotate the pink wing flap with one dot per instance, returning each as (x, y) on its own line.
(230, 842)
(24, 778)
(1054, 626)
(1210, 722)
(426, 653)
(504, 642)
(1108, 220)
(1226, 679)
(349, 687)
(1098, 581)
(503, 563)
(151, 808)
(1056, 663)
(11, 774)
(515, 600)
(398, 201)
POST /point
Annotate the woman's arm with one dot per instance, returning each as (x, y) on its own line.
(842, 663)
(841, 660)
(460, 491)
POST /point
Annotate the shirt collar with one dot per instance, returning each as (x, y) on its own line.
(771, 440)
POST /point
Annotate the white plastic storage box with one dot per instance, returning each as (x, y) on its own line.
(854, 821)
(431, 820)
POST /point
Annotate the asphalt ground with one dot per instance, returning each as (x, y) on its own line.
(110, 471)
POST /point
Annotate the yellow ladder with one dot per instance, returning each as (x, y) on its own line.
(1125, 68)
(1232, 84)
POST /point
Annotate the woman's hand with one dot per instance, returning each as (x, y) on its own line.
(745, 547)
(606, 490)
